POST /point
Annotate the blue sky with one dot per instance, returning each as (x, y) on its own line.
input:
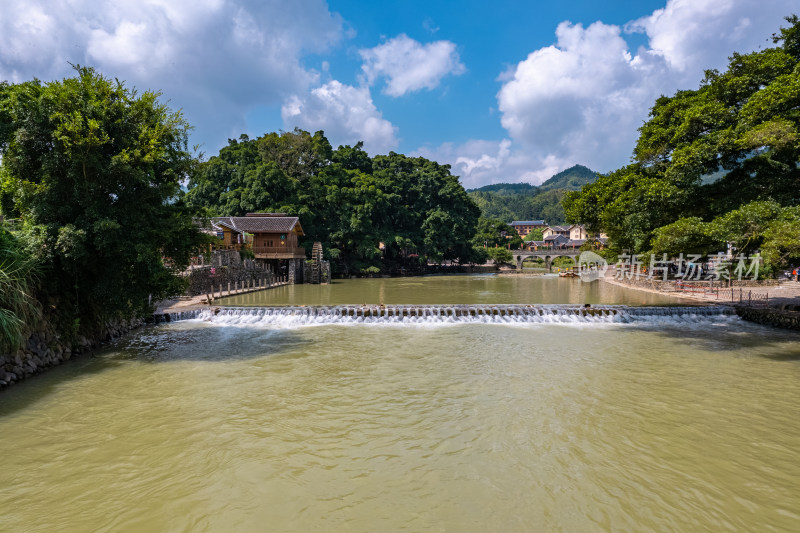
(501, 91)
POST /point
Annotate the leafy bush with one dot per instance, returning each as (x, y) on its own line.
(500, 255)
(19, 309)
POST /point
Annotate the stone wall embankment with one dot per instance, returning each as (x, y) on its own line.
(779, 318)
(222, 268)
(661, 285)
(45, 349)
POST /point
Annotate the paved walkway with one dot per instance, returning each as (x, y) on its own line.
(787, 292)
(200, 301)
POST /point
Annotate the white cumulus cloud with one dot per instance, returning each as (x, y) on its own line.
(693, 35)
(409, 65)
(216, 59)
(576, 95)
(479, 162)
(582, 99)
(346, 114)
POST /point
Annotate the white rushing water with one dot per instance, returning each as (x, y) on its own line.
(458, 314)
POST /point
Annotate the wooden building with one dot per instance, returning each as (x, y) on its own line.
(272, 237)
(524, 227)
(268, 235)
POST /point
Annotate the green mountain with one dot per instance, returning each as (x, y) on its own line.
(508, 189)
(571, 179)
(523, 201)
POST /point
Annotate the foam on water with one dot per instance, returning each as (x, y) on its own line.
(400, 315)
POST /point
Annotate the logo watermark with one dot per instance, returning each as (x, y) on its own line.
(591, 266)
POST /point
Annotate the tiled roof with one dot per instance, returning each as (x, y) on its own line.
(528, 223)
(257, 224)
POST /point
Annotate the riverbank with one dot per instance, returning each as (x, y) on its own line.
(778, 304)
(45, 349)
(777, 318)
(778, 296)
(611, 280)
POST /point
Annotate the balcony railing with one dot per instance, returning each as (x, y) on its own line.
(273, 251)
(224, 246)
(279, 250)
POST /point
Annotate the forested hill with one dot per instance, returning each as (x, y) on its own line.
(571, 179)
(523, 201)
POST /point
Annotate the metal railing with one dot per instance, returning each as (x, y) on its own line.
(736, 296)
(750, 299)
(702, 288)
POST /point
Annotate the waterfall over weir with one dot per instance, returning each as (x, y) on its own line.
(440, 314)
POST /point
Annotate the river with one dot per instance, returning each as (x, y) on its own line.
(668, 423)
(462, 289)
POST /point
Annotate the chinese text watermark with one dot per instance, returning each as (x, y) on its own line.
(691, 267)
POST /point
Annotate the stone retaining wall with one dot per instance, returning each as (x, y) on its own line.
(660, 284)
(45, 349)
(770, 317)
(222, 268)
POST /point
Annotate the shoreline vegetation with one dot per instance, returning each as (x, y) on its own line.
(100, 196)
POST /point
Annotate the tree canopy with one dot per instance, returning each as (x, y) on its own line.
(492, 232)
(706, 152)
(347, 200)
(94, 169)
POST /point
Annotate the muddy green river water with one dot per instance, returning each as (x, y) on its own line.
(229, 423)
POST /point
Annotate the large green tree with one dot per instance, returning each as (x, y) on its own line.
(493, 232)
(705, 152)
(94, 168)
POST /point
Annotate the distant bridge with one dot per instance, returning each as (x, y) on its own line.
(547, 255)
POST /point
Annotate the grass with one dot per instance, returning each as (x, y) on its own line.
(19, 309)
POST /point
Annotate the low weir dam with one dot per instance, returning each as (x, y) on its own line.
(344, 314)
